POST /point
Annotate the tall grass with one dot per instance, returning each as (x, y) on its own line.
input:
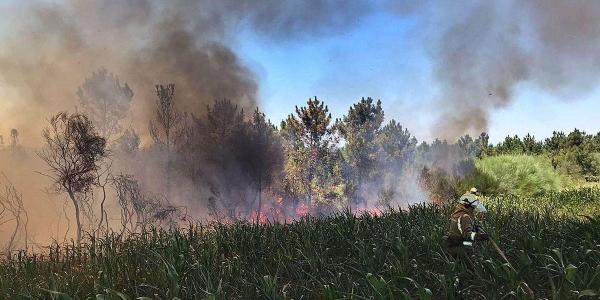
(522, 174)
(393, 256)
(572, 202)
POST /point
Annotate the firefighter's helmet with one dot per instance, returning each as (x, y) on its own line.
(471, 199)
(474, 191)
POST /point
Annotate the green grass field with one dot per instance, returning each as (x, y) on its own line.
(555, 250)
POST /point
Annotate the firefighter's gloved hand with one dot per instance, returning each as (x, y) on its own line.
(478, 228)
(482, 237)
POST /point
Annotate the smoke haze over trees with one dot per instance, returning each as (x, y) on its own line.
(105, 101)
(201, 141)
(146, 42)
(229, 164)
(480, 52)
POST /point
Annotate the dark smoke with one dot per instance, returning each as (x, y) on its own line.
(487, 49)
(48, 49)
(51, 48)
(484, 51)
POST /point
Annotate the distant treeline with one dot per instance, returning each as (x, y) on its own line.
(575, 153)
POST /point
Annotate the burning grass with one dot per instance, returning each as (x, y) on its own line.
(395, 255)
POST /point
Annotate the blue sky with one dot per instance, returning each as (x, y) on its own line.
(378, 59)
(385, 58)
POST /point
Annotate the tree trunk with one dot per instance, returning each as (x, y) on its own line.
(259, 196)
(10, 245)
(103, 214)
(77, 216)
(25, 228)
(168, 168)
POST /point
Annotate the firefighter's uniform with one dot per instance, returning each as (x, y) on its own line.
(463, 229)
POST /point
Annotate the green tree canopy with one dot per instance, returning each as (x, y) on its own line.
(360, 128)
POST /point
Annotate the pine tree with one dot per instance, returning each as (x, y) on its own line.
(531, 146)
(265, 153)
(483, 145)
(360, 128)
(468, 146)
(167, 126)
(310, 157)
(105, 100)
(398, 145)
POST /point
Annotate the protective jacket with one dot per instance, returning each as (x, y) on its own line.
(463, 228)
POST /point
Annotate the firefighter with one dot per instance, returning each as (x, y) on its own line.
(464, 230)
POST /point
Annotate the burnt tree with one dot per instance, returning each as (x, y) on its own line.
(73, 152)
(12, 210)
(166, 128)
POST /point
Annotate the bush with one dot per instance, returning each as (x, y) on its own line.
(577, 163)
(521, 174)
(438, 184)
(443, 187)
(485, 183)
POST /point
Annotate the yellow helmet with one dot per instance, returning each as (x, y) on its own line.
(474, 191)
(471, 199)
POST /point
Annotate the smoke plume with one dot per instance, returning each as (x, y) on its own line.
(487, 49)
(481, 51)
(52, 47)
(48, 49)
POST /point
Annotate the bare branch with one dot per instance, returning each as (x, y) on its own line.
(74, 154)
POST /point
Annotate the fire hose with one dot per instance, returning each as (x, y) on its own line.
(523, 284)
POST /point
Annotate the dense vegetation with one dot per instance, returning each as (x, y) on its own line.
(575, 153)
(234, 164)
(393, 256)
(521, 174)
(544, 207)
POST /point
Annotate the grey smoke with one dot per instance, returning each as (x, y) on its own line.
(52, 47)
(481, 50)
(49, 48)
(490, 47)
